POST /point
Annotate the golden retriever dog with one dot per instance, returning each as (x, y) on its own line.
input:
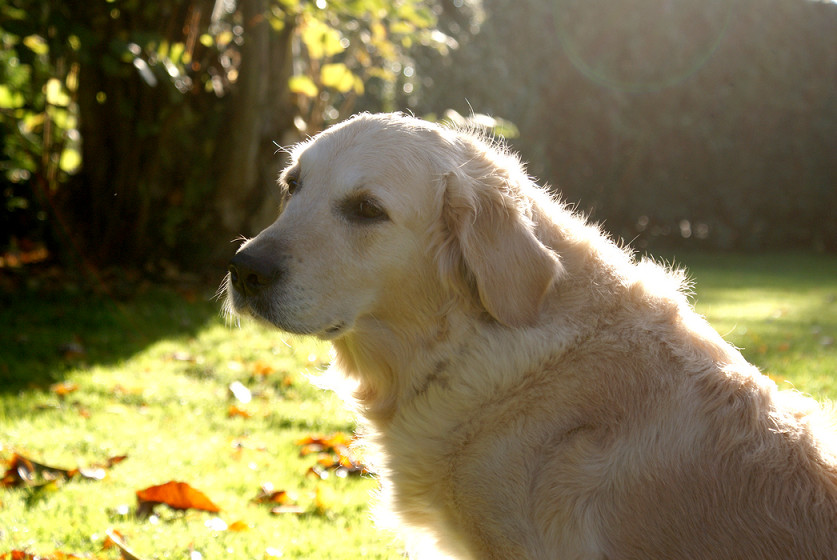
(527, 389)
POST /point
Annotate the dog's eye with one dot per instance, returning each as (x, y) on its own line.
(369, 210)
(293, 184)
(363, 209)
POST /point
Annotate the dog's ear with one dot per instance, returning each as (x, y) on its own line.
(492, 243)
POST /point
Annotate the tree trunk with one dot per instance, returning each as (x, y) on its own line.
(168, 174)
(260, 113)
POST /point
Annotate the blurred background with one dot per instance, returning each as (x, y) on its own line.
(147, 134)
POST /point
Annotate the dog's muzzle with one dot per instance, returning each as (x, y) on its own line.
(250, 274)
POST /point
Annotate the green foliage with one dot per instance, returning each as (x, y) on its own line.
(115, 115)
(350, 48)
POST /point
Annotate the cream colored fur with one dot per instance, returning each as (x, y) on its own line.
(528, 390)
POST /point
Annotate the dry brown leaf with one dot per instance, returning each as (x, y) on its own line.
(57, 555)
(239, 526)
(176, 495)
(24, 471)
(267, 495)
(262, 369)
(238, 411)
(334, 453)
(114, 538)
(63, 388)
(322, 474)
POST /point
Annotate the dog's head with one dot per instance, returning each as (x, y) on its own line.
(385, 214)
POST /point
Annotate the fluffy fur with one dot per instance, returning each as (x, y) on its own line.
(528, 389)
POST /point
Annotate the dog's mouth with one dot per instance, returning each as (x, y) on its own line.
(258, 307)
(334, 331)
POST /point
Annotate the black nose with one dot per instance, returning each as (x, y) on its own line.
(249, 274)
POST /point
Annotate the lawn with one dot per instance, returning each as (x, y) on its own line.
(155, 375)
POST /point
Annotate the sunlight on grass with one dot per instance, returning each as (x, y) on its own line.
(780, 311)
(167, 408)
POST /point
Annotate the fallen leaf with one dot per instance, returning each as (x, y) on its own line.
(262, 369)
(176, 495)
(337, 438)
(23, 471)
(115, 460)
(268, 495)
(334, 453)
(110, 535)
(63, 388)
(57, 555)
(238, 411)
(117, 540)
(239, 526)
(318, 472)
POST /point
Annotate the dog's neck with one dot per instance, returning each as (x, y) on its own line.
(392, 362)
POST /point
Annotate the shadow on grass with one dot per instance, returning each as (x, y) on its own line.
(44, 333)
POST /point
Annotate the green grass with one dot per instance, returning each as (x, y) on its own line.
(153, 383)
(780, 310)
(153, 372)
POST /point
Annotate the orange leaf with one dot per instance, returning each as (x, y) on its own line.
(115, 460)
(23, 555)
(64, 388)
(262, 369)
(239, 526)
(268, 495)
(318, 472)
(325, 442)
(236, 411)
(176, 495)
(110, 539)
(26, 471)
(116, 539)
